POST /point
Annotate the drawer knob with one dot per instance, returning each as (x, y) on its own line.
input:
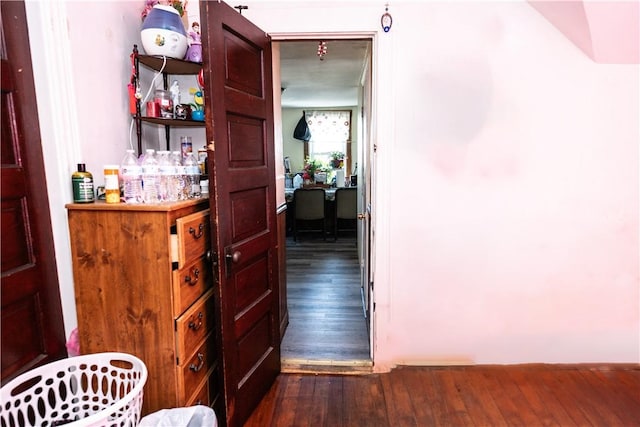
(200, 232)
(195, 272)
(193, 325)
(196, 368)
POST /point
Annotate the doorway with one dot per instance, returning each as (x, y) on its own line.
(327, 281)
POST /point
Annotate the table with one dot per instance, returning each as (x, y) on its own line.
(330, 194)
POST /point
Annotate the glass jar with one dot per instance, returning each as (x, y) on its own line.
(186, 146)
(162, 98)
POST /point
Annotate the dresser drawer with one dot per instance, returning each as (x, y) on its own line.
(192, 238)
(193, 371)
(194, 325)
(201, 397)
(208, 393)
(189, 283)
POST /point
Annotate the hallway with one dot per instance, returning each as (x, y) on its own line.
(327, 329)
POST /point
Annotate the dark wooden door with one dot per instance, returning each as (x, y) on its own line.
(239, 116)
(32, 327)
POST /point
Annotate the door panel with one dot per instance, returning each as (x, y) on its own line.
(243, 65)
(32, 327)
(239, 116)
(244, 136)
(248, 216)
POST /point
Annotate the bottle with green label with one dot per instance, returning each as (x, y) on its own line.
(82, 182)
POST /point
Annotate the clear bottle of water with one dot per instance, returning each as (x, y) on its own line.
(150, 177)
(180, 179)
(193, 173)
(173, 191)
(166, 171)
(131, 175)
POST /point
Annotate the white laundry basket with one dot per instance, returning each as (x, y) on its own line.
(101, 389)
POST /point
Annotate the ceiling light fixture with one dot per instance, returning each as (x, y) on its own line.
(322, 50)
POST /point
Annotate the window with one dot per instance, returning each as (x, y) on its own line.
(330, 132)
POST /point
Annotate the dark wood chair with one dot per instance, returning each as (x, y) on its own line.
(309, 211)
(346, 210)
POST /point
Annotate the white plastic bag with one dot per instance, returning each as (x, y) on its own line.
(192, 416)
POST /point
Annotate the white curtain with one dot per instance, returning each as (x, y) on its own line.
(330, 131)
(329, 126)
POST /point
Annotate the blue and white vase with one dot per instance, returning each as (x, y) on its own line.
(163, 33)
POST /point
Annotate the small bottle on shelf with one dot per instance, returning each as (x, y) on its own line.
(202, 160)
(82, 183)
(112, 183)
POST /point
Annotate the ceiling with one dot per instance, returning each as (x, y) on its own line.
(333, 81)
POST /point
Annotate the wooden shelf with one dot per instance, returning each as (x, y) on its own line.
(173, 66)
(167, 66)
(172, 122)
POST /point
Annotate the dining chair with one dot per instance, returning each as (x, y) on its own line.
(346, 210)
(309, 211)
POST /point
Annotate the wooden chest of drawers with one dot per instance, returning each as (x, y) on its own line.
(143, 277)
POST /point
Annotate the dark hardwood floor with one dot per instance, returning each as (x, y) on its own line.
(327, 327)
(516, 395)
(327, 332)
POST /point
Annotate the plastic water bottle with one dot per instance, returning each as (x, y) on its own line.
(150, 178)
(166, 171)
(173, 191)
(131, 175)
(193, 173)
(180, 177)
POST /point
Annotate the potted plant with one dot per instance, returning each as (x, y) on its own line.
(337, 160)
(311, 166)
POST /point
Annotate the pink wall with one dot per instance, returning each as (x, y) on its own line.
(517, 240)
(80, 52)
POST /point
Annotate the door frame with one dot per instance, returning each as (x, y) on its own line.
(365, 205)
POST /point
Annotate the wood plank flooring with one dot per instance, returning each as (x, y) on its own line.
(327, 328)
(512, 395)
